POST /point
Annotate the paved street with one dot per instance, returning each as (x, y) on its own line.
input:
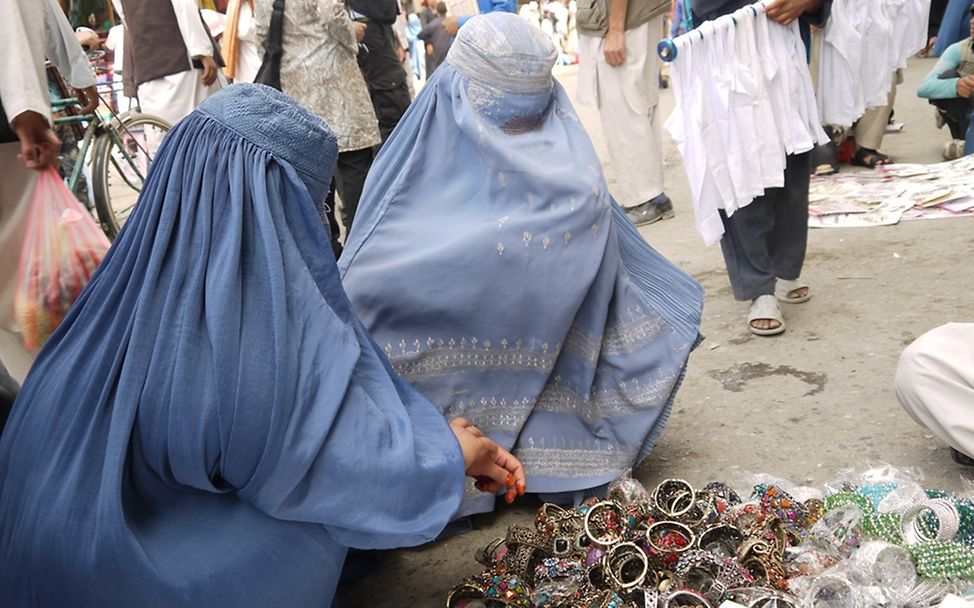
(801, 406)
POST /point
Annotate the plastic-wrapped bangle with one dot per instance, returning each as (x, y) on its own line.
(883, 526)
(831, 590)
(887, 564)
(833, 501)
(943, 560)
(915, 528)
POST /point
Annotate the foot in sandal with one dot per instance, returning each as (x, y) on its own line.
(791, 292)
(765, 318)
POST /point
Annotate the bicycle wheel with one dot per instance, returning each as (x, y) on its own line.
(120, 164)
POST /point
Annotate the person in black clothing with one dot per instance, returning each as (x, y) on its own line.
(764, 243)
(437, 40)
(8, 393)
(384, 72)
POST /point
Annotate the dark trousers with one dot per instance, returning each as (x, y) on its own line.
(767, 239)
(353, 167)
(956, 113)
(389, 106)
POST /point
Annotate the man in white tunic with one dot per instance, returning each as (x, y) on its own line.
(26, 104)
(170, 59)
(619, 74)
(935, 385)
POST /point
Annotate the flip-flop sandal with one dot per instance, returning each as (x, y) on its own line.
(765, 308)
(784, 287)
(870, 158)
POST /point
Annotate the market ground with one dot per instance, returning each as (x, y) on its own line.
(801, 406)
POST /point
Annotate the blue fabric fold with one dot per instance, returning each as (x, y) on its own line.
(212, 425)
(505, 283)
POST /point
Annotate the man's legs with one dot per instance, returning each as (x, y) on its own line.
(633, 132)
(935, 384)
(871, 128)
(353, 167)
(788, 241)
(956, 114)
(16, 191)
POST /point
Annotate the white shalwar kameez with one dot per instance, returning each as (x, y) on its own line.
(935, 384)
(627, 97)
(23, 87)
(175, 96)
(744, 101)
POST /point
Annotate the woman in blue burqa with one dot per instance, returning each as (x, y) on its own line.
(955, 25)
(505, 283)
(211, 425)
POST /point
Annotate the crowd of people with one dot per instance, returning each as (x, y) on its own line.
(252, 384)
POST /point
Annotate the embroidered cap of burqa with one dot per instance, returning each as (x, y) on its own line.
(490, 262)
(211, 425)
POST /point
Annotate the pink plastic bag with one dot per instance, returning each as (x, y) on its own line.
(62, 248)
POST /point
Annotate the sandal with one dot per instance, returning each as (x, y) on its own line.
(871, 159)
(784, 288)
(765, 308)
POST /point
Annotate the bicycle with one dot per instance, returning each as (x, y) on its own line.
(116, 148)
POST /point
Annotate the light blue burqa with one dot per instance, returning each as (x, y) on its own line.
(212, 425)
(491, 263)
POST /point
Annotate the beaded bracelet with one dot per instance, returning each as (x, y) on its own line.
(916, 529)
(943, 560)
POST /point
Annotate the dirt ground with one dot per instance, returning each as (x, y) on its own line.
(800, 406)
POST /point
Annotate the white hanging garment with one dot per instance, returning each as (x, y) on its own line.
(744, 99)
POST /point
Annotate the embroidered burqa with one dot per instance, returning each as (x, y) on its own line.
(211, 425)
(504, 282)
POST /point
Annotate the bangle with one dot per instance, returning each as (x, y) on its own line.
(626, 565)
(943, 560)
(604, 523)
(916, 527)
(723, 540)
(674, 497)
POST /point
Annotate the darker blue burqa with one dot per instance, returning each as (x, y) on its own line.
(211, 425)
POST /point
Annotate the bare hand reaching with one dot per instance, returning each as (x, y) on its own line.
(492, 466)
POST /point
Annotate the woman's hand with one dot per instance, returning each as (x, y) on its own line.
(492, 466)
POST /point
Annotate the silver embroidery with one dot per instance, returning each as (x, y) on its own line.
(527, 238)
(436, 362)
(595, 230)
(500, 248)
(576, 463)
(568, 237)
(502, 221)
(545, 241)
(622, 400)
(571, 204)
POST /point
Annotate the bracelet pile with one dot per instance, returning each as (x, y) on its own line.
(872, 544)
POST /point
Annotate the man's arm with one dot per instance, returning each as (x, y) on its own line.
(935, 87)
(816, 12)
(614, 48)
(68, 57)
(195, 37)
(25, 99)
